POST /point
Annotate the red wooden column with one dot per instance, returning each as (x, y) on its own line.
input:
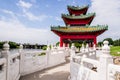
(95, 40)
(61, 42)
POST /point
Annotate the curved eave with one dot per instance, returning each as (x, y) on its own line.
(78, 31)
(78, 8)
(78, 17)
(98, 31)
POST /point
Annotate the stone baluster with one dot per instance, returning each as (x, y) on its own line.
(87, 48)
(6, 54)
(21, 58)
(94, 51)
(51, 47)
(72, 51)
(63, 45)
(82, 49)
(48, 51)
(48, 47)
(94, 47)
(104, 60)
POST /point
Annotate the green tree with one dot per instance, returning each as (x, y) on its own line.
(1, 45)
(100, 43)
(117, 42)
(13, 44)
(77, 44)
(57, 44)
(44, 48)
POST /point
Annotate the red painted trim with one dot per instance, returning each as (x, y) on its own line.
(78, 36)
(78, 21)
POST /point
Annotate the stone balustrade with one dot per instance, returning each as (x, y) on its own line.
(85, 67)
(2, 69)
(12, 66)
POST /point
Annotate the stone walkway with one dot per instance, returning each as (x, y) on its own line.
(60, 72)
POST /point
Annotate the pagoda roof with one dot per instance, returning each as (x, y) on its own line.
(78, 16)
(77, 7)
(79, 28)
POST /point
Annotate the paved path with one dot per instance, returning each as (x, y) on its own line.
(60, 72)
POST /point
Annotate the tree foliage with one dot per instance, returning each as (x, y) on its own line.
(57, 44)
(13, 44)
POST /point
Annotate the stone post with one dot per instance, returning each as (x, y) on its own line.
(48, 47)
(63, 45)
(87, 48)
(82, 49)
(104, 60)
(48, 51)
(21, 58)
(94, 47)
(72, 52)
(6, 54)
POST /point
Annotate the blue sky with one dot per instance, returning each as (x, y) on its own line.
(29, 21)
(39, 13)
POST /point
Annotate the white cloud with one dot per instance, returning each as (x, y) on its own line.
(58, 19)
(107, 12)
(11, 29)
(16, 31)
(7, 11)
(12, 14)
(24, 4)
(32, 17)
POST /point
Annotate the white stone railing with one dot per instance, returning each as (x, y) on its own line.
(2, 69)
(33, 61)
(89, 52)
(113, 72)
(84, 67)
(12, 66)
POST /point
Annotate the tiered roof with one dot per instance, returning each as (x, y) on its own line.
(77, 7)
(79, 29)
(78, 16)
(78, 22)
(78, 10)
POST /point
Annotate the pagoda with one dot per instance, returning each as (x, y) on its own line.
(77, 26)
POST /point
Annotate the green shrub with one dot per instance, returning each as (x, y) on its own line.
(42, 54)
(44, 47)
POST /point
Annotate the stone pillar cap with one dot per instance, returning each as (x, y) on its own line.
(6, 46)
(106, 48)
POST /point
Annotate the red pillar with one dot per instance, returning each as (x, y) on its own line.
(61, 42)
(95, 40)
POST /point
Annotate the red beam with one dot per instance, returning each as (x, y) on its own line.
(78, 37)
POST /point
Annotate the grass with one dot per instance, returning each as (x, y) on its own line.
(114, 50)
(42, 54)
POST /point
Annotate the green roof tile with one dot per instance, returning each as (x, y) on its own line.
(78, 16)
(79, 29)
(78, 7)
